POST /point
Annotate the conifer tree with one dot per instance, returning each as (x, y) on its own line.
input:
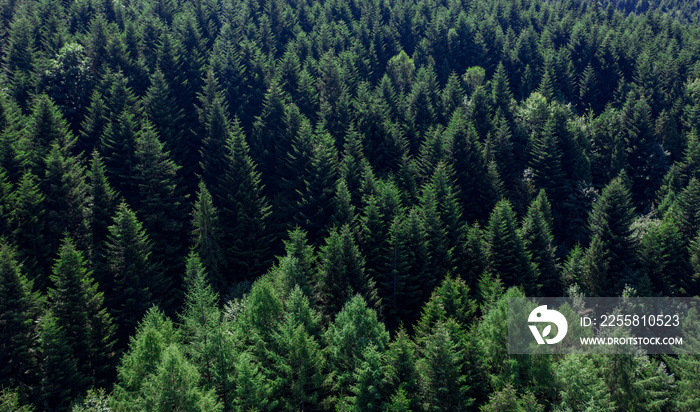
(61, 380)
(539, 242)
(610, 222)
(118, 146)
(66, 197)
(244, 211)
(19, 308)
(298, 248)
(476, 193)
(354, 330)
(506, 255)
(407, 272)
(341, 273)
(165, 117)
(215, 129)
(79, 311)
(29, 228)
(299, 361)
(160, 207)
(44, 127)
(102, 207)
(154, 334)
(442, 383)
(201, 320)
(401, 372)
(206, 236)
(663, 261)
(131, 272)
(314, 209)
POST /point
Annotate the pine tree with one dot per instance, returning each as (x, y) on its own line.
(201, 320)
(401, 372)
(314, 207)
(206, 236)
(539, 242)
(443, 385)
(506, 255)
(118, 146)
(165, 118)
(132, 274)
(61, 380)
(546, 162)
(155, 333)
(610, 221)
(79, 311)
(66, 197)
(684, 211)
(244, 211)
(20, 55)
(19, 307)
(406, 275)
(215, 129)
(44, 127)
(477, 195)
(29, 228)
(160, 207)
(355, 329)
(581, 385)
(298, 248)
(102, 206)
(299, 361)
(341, 273)
(663, 261)
(175, 386)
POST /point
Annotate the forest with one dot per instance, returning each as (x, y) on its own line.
(279, 205)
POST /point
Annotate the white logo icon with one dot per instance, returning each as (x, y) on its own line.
(542, 314)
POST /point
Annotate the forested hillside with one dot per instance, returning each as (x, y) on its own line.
(217, 205)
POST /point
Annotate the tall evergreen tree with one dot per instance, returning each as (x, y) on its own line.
(131, 273)
(341, 273)
(539, 242)
(610, 221)
(28, 226)
(206, 236)
(19, 308)
(160, 207)
(506, 255)
(244, 211)
(80, 312)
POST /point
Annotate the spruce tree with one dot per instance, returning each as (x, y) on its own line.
(244, 212)
(19, 308)
(28, 226)
(133, 276)
(102, 207)
(66, 197)
(610, 222)
(80, 312)
(476, 192)
(354, 330)
(160, 207)
(539, 242)
(165, 117)
(215, 130)
(341, 273)
(314, 209)
(44, 127)
(61, 381)
(506, 255)
(206, 236)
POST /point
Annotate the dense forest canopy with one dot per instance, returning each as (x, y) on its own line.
(301, 205)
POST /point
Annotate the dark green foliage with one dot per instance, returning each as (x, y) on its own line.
(206, 236)
(539, 242)
(19, 307)
(132, 276)
(341, 273)
(60, 378)
(28, 226)
(612, 245)
(244, 212)
(80, 312)
(365, 128)
(160, 207)
(506, 255)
